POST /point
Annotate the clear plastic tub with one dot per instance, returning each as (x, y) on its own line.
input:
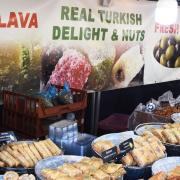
(79, 145)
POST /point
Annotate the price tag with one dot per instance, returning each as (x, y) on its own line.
(109, 154)
(126, 146)
(7, 137)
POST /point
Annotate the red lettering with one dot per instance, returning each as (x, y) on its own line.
(33, 21)
(2, 25)
(23, 20)
(156, 27)
(12, 20)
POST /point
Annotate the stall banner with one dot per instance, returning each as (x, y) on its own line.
(86, 44)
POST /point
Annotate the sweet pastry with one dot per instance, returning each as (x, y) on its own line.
(111, 168)
(139, 156)
(158, 176)
(70, 170)
(128, 160)
(100, 175)
(52, 174)
(171, 138)
(174, 174)
(2, 164)
(101, 146)
(11, 175)
(27, 155)
(158, 134)
(84, 167)
(127, 67)
(117, 174)
(85, 170)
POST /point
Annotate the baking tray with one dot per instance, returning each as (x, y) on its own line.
(171, 149)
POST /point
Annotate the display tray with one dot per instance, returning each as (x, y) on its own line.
(19, 170)
(166, 164)
(171, 149)
(115, 138)
(54, 162)
(139, 130)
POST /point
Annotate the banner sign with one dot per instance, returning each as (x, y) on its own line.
(86, 44)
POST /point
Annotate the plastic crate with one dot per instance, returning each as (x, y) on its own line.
(26, 114)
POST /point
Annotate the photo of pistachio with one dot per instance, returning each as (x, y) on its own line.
(167, 51)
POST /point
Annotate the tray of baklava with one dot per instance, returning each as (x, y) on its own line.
(167, 133)
(68, 167)
(22, 156)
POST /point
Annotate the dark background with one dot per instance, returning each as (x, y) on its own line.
(125, 101)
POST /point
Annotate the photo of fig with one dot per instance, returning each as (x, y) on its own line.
(127, 67)
(167, 51)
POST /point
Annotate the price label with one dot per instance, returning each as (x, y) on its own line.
(126, 146)
(7, 137)
(109, 154)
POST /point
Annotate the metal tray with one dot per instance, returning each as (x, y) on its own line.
(171, 149)
(54, 162)
(19, 170)
(166, 164)
(147, 126)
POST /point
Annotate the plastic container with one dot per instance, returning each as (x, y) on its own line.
(63, 129)
(79, 145)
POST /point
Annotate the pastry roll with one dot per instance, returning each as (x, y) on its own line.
(176, 132)
(25, 155)
(45, 149)
(101, 146)
(171, 138)
(96, 162)
(11, 175)
(52, 174)
(9, 156)
(139, 156)
(54, 146)
(2, 164)
(41, 150)
(21, 159)
(100, 175)
(155, 139)
(117, 174)
(84, 167)
(86, 160)
(29, 152)
(35, 151)
(111, 168)
(174, 174)
(70, 170)
(127, 160)
(158, 176)
(5, 159)
(157, 150)
(149, 154)
(158, 134)
(88, 177)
